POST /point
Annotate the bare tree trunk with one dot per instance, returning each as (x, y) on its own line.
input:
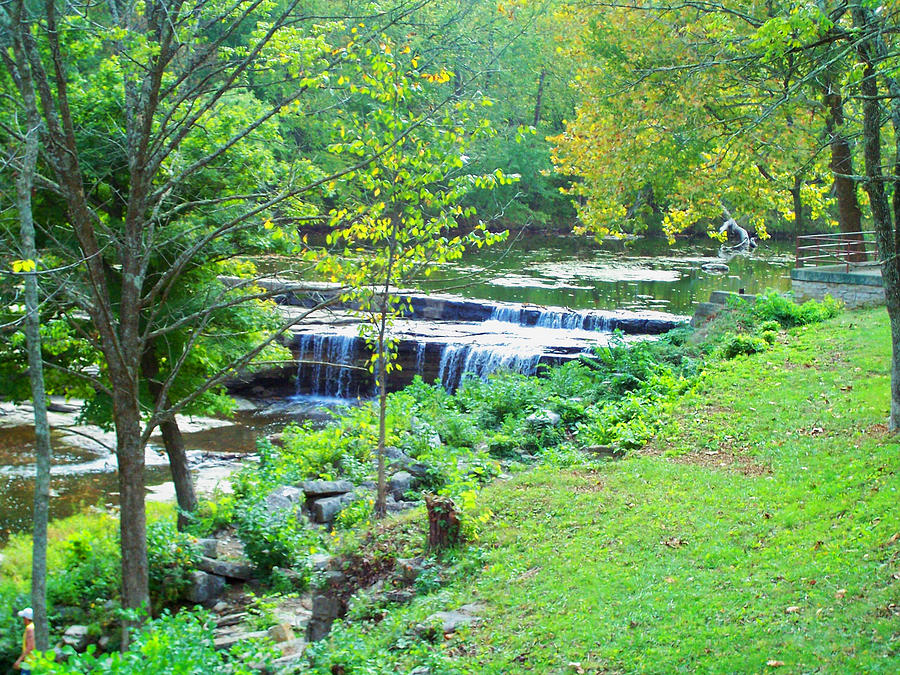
(132, 513)
(24, 185)
(849, 214)
(381, 496)
(798, 204)
(172, 440)
(20, 71)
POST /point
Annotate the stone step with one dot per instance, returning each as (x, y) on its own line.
(228, 641)
(230, 619)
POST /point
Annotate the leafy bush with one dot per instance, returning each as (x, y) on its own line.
(12, 599)
(212, 515)
(770, 336)
(501, 395)
(180, 644)
(171, 556)
(89, 573)
(357, 513)
(735, 345)
(772, 306)
(767, 326)
(273, 538)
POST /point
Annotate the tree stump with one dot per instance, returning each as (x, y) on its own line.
(443, 523)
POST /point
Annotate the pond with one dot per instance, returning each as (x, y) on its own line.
(544, 270)
(643, 273)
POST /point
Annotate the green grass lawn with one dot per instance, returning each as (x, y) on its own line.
(755, 534)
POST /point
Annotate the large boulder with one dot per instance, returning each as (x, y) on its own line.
(229, 569)
(396, 457)
(204, 587)
(325, 510)
(282, 632)
(285, 497)
(77, 637)
(208, 547)
(543, 418)
(450, 622)
(325, 609)
(401, 483)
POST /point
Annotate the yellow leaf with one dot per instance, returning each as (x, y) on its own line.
(20, 266)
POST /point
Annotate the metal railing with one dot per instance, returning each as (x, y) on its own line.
(849, 249)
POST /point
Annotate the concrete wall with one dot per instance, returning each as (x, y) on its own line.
(854, 288)
(851, 295)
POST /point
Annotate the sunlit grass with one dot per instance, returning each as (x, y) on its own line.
(755, 529)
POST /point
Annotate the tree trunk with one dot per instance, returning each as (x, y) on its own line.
(872, 51)
(24, 186)
(444, 527)
(798, 204)
(849, 214)
(539, 98)
(132, 514)
(381, 496)
(172, 440)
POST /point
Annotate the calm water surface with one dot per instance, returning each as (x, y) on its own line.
(617, 274)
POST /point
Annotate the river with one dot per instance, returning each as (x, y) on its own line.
(543, 270)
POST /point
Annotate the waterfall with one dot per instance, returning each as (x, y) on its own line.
(458, 359)
(452, 358)
(552, 318)
(420, 357)
(507, 315)
(324, 361)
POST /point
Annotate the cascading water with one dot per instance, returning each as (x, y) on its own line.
(442, 350)
(420, 357)
(550, 318)
(507, 315)
(457, 359)
(325, 362)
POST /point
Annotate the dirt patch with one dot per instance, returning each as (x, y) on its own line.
(878, 431)
(738, 462)
(593, 482)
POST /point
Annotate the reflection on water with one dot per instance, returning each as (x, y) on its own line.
(82, 477)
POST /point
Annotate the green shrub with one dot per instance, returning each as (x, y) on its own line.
(358, 513)
(503, 394)
(171, 556)
(770, 336)
(212, 515)
(767, 326)
(274, 538)
(735, 345)
(89, 573)
(171, 645)
(503, 445)
(772, 306)
(12, 599)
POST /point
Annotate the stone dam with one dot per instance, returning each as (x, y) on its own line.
(439, 337)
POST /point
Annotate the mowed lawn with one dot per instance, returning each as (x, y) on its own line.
(759, 532)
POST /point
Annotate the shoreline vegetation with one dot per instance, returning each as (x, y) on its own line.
(718, 501)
